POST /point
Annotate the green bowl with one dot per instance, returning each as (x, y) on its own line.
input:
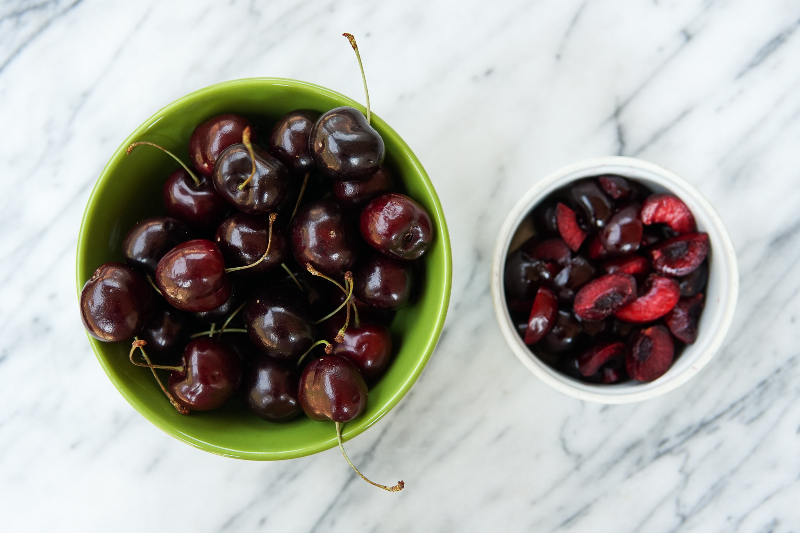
(129, 189)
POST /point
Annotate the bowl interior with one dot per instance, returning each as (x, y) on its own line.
(720, 296)
(129, 189)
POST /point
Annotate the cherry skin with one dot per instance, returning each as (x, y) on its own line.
(368, 346)
(397, 226)
(289, 140)
(357, 194)
(278, 322)
(211, 374)
(264, 192)
(331, 388)
(382, 281)
(192, 276)
(220, 314)
(242, 239)
(212, 137)
(166, 333)
(321, 236)
(148, 241)
(344, 146)
(200, 206)
(115, 303)
(269, 388)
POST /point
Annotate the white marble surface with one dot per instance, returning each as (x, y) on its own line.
(491, 96)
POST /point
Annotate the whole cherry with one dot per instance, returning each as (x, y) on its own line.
(397, 226)
(209, 375)
(192, 276)
(211, 137)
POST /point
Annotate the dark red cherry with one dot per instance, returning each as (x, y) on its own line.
(344, 146)
(148, 241)
(369, 347)
(568, 228)
(682, 320)
(212, 137)
(289, 140)
(331, 388)
(396, 226)
(166, 333)
(265, 190)
(623, 233)
(651, 353)
(211, 374)
(602, 296)
(192, 276)
(670, 210)
(523, 275)
(592, 206)
(279, 323)
(269, 388)
(565, 335)
(577, 273)
(550, 250)
(321, 235)
(545, 220)
(357, 194)
(542, 317)
(694, 282)
(242, 239)
(615, 186)
(601, 353)
(115, 303)
(382, 282)
(659, 296)
(680, 255)
(633, 265)
(200, 206)
(220, 314)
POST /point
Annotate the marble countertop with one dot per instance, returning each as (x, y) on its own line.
(491, 97)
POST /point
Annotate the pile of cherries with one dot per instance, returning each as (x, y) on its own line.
(610, 287)
(275, 273)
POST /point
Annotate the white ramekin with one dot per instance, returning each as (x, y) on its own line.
(720, 295)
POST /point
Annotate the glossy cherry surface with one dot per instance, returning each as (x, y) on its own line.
(279, 323)
(289, 141)
(331, 388)
(192, 276)
(211, 375)
(382, 281)
(593, 207)
(200, 206)
(357, 194)
(166, 333)
(623, 232)
(212, 137)
(115, 302)
(369, 347)
(344, 146)
(321, 236)
(242, 239)
(151, 238)
(397, 226)
(269, 388)
(264, 192)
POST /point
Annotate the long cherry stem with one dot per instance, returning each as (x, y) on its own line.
(206, 333)
(181, 163)
(397, 488)
(249, 145)
(346, 302)
(300, 196)
(140, 344)
(361, 66)
(272, 218)
(228, 320)
(328, 349)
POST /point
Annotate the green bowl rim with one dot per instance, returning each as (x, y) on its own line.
(443, 303)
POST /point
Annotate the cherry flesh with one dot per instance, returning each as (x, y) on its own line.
(595, 357)
(192, 276)
(543, 316)
(603, 296)
(659, 296)
(116, 302)
(322, 237)
(679, 255)
(331, 388)
(263, 192)
(269, 388)
(242, 239)
(397, 226)
(382, 282)
(289, 141)
(200, 206)
(568, 228)
(210, 376)
(670, 210)
(148, 241)
(651, 353)
(344, 145)
(212, 137)
(279, 323)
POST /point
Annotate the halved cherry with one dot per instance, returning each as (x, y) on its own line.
(543, 315)
(659, 297)
(615, 186)
(603, 296)
(651, 354)
(682, 320)
(595, 248)
(632, 265)
(670, 210)
(680, 255)
(568, 227)
(550, 250)
(623, 233)
(592, 359)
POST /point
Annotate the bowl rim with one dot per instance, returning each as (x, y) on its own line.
(441, 304)
(723, 252)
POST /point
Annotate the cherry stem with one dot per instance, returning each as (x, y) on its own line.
(152, 284)
(272, 218)
(347, 301)
(300, 197)
(228, 321)
(140, 344)
(328, 349)
(355, 314)
(211, 331)
(314, 272)
(397, 488)
(206, 333)
(186, 168)
(249, 145)
(292, 276)
(361, 66)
